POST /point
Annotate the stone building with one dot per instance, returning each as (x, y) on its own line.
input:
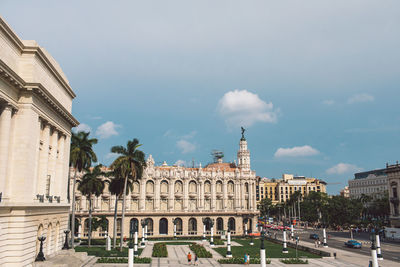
(345, 192)
(393, 175)
(372, 183)
(35, 130)
(279, 190)
(222, 191)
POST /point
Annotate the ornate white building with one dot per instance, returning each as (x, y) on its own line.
(222, 191)
(35, 130)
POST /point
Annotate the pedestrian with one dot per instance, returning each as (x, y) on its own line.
(248, 259)
(319, 242)
(195, 260)
(189, 257)
(316, 243)
(245, 258)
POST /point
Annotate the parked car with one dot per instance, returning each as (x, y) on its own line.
(314, 236)
(352, 244)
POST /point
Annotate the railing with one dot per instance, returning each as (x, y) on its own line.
(192, 233)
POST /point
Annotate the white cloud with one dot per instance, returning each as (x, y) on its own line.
(243, 108)
(360, 98)
(297, 151)
(107, 130)
(111, 155)
(328, 102)
(185, 146)
(180, 163)
(342, 168)
(189, 135)
(82, 128)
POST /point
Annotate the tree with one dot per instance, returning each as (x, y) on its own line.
(313, 206)
(100, 221)
(81, 157)
(343, 211)
(130, 164)
(116, 187)
(265, 206)
(91, 184)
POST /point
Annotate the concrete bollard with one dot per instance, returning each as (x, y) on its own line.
(262, 258)
(145, 233)
(324, 234)
(291, 232)
(204, 233)
(135, 246)
(212, 237)
(228, 248)
(130, 257)
(378, 247)
(245, 229)
(108, 243)
(143, 244)
(284, 250)
(374, 256)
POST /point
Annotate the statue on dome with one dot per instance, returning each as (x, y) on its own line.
(243, 130)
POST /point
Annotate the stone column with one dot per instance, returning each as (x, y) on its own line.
(157, 194)
(44, 158)
(171, 194)
(185, 194)
(237, 195)
(5, 128)
(201, 194)
(142, 199)
(242, 195)
(213, 195)
(250, 196)
(254, 197)
(51, 168)
(225, 194)
(60, 167)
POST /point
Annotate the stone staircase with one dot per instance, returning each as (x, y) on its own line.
(67, 258)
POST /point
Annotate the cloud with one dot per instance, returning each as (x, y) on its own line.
(180, 163)
(107, 130)
(297, 151)
(328, 102)
(342, 168)
(360, 98)
(243, 108)
(111, 155)
(82, 128)
(185, 146)
(189, 135)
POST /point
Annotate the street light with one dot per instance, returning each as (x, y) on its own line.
(228, 246)
(40, 256)
(66, 246)
(373, 251)
(284, 250)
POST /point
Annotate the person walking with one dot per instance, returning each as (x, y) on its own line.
(189, 257)
(245, 258)
(195, 260)
(248, 259)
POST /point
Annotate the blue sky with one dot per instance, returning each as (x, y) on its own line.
(316, 83)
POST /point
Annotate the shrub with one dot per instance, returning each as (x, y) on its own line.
(102, 252)
(200, 251)
(241, 261)
(294, 261)
(218, 241)
(123, 260)
(160, 250)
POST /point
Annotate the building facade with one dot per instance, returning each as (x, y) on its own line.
(280, 190)
(393, 175)
(370, 183)
(345, 192)
(35, 130)
(225, 192)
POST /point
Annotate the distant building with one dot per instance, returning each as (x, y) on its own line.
(371, 183)
(393, 175)
(279, 190)
(345, 192)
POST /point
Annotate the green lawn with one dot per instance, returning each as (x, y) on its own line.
(272, 250)
(102, 252)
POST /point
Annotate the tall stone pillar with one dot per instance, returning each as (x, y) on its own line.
(51, 168)
(242, 195)
(5, 128)
(171, 194)
(157, 194)
(237, 195)
(213, 195)
(201, 194)
(185, 194)
(60, 167)
(225, 194)
(43, 159)
(142, 199)
(250, 199)
(253, 197)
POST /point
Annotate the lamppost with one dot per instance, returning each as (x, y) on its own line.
(262, 250)
(40, 255)
(377, 238)
(204, 229)
(228, 246)
(130, 251)
(143, 223)
(374, 255)
(291, 230)
(284, 250)
(66, 246)
(212, 232)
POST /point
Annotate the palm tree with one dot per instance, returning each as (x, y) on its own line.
(130, 164)
(91, 184)
(116, 187)
(81, 157)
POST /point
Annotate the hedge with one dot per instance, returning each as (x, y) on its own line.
(241, 261)
(102, 252)
(294, 261)
(123, 260)
(160, 250)
(200, 251)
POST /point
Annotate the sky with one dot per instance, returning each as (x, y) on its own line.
(315, 83)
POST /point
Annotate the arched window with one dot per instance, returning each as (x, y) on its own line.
(192, 187)
(219, 187)
(135, 187)
(86, 228)
(164, 187)
(220, 224)
(179, 226)
(150, 224)
(150, 187)
(119, 226)
(231, 187)
(49, 239)
(192, 226)
(104, 228)
(57, 239)
(232, 224)
(207, 187)
(178, 187)
(246, 188)
(163, 227)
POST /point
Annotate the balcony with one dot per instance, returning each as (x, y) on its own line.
(164, 194)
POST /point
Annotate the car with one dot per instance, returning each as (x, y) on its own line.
(314, 236)
(352, 244)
